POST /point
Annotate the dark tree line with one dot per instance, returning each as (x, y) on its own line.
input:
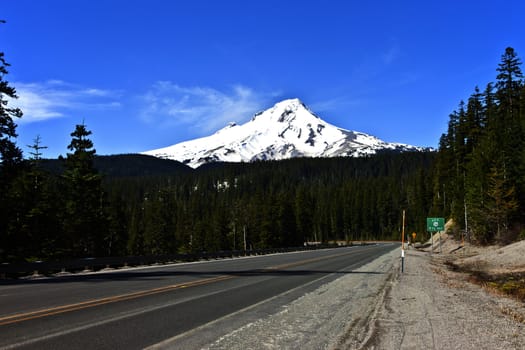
(275, 204)
(480, 179)
(55, 216)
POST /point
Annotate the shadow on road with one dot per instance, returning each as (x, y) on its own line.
(114, 275)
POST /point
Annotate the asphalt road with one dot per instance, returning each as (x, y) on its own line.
(184, 305)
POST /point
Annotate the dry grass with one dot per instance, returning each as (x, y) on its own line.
(513, 314)
(511, 284)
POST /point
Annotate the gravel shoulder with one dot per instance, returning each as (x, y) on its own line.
(431, 307)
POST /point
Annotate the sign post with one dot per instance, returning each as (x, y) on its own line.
(403, 244)
(435, 225)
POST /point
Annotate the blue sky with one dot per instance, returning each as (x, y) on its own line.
(148, 74)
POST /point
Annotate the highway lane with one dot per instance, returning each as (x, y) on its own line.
(137, 308)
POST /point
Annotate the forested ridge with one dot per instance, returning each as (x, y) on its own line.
(222, 206)
(87, 205)
(278, 203)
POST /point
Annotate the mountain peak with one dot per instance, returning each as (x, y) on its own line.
(286, 112)
(281, 109)
(287, 130)
(292, 103)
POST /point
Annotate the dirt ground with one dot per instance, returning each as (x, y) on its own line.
(433, 304)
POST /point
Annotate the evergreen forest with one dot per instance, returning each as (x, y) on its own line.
(480, 169)
(86, 205)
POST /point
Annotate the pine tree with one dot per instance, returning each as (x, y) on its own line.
(159, 234)
(10, 157)
(502, 203)
(509, 81)
(509, 85)
(85, 223)
(511, 135)
(303, 213)
(475, 121)
(10, 154)
(117, 234)
(34, 208)
(450, 170)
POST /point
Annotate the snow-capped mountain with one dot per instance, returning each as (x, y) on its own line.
(287, 130)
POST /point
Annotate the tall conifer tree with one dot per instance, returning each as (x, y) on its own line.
(509, 86)
(10, 157)
(84, 220)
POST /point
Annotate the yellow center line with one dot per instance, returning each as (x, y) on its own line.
(96, 302)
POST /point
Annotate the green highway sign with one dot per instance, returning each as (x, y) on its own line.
(435, 224)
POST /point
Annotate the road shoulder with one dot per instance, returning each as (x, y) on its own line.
(430, 307)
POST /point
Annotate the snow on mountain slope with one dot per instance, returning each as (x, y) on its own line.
(287, 130)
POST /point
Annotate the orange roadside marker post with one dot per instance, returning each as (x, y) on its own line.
(403, 244)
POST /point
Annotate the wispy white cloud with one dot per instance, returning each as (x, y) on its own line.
(200, 108)
(41, 101)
